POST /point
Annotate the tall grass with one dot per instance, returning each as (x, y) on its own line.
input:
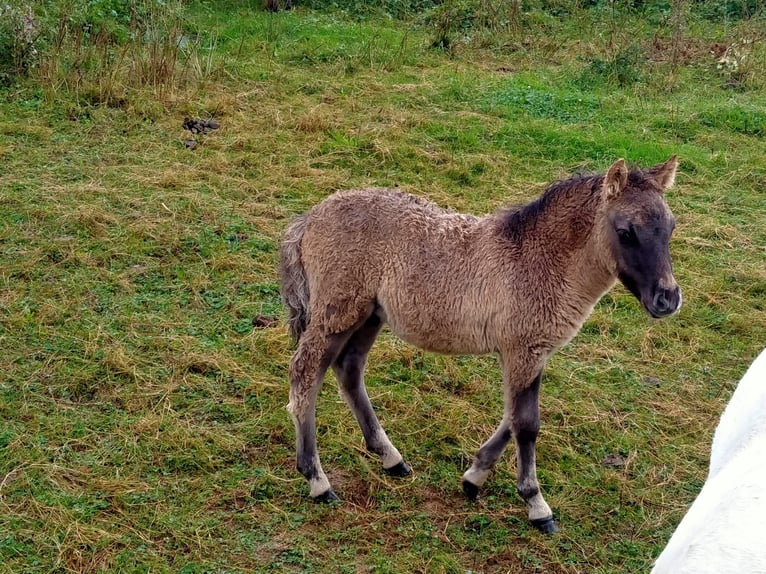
(104, 53)
(18, 34)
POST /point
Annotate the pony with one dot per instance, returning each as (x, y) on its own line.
(518, 283)
(723, 529)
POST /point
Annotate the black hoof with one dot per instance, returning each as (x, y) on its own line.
(399, 470)
(545, 525)
(470, 491)
(327, 496)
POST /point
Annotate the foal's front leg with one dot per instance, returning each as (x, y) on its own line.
(525, 424)
(521, 420)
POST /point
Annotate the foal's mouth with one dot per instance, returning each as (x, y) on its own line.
(658, 302)
(663, 303)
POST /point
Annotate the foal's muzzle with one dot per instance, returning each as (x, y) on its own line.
(664, 302)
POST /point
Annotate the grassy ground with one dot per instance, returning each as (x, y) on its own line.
(142, 425)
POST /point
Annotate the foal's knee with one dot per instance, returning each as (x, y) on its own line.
(526, 434)
(527, 490)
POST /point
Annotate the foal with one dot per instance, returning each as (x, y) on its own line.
(519, 283)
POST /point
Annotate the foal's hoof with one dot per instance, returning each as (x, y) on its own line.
(399, 470)
(327, 496)
(545, 525)
(470, 491)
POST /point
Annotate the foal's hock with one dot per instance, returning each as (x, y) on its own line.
(518, 283)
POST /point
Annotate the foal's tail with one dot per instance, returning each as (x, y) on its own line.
(292, 277)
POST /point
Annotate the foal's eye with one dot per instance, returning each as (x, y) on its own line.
(627, 236)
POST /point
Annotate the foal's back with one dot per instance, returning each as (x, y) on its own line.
(379, 216)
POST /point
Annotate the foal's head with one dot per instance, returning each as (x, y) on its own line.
(639, 224)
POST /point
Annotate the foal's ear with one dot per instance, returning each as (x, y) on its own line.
(615, 179)
(664, 174)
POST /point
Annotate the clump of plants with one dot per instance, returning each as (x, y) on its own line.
(19, 32)
(623, 68)
(102, 51)
(470, 20)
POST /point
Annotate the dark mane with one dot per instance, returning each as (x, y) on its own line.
(517, 220)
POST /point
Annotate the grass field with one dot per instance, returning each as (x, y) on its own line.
(142, 421)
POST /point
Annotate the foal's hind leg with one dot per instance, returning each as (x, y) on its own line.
(316, 350)
(349, 369)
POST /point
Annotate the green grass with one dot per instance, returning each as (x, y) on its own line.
(142, 421)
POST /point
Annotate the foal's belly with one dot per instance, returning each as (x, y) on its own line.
(442, 333)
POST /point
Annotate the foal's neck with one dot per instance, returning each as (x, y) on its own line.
(562, 228)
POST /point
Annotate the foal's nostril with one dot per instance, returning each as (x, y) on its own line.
(666, 301)
(661, 303)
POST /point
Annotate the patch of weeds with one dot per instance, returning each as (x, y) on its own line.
(685, 129)
(449, 20)
(263, 486)
(624, 68)
(222, 413)
(406, 370)
(12, 546)
(107, 53)
(266, 295)
(465, 137)
(530, 561)
(478, 523)
(217, 300)
(540, 103)
(390, 502)
(715, 11)
(19, 41)
(293, 557)
(735, 118)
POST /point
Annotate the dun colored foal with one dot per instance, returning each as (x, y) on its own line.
(518, 283)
